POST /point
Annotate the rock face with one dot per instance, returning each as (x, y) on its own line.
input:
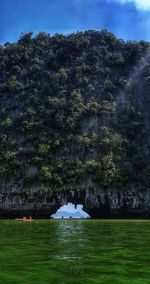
(75, 125)
(98, 204)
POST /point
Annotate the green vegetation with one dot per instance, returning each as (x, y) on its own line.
(61, 116)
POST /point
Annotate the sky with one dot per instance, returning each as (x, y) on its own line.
(69, 210)
(127, 19)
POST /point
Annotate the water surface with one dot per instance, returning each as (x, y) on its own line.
(75, 252)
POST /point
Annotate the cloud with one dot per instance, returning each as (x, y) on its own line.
(140, 4)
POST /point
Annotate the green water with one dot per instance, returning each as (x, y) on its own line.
(75, 252)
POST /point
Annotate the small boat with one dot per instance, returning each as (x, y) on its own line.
(24, 219)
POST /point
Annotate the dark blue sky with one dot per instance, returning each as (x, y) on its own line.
(65, 16)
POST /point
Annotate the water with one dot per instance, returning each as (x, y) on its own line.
(75, 252)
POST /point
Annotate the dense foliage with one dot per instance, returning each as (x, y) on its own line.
(69, 111)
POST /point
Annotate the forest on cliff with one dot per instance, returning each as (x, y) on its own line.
(74, 108)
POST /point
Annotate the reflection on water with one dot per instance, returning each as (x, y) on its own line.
(75, 252)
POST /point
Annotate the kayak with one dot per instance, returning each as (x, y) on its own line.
(24, 220)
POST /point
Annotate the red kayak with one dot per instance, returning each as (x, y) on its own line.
(24, 219)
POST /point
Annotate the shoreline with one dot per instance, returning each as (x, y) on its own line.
(95, 214)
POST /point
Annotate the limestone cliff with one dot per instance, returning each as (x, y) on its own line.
(75, 125)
